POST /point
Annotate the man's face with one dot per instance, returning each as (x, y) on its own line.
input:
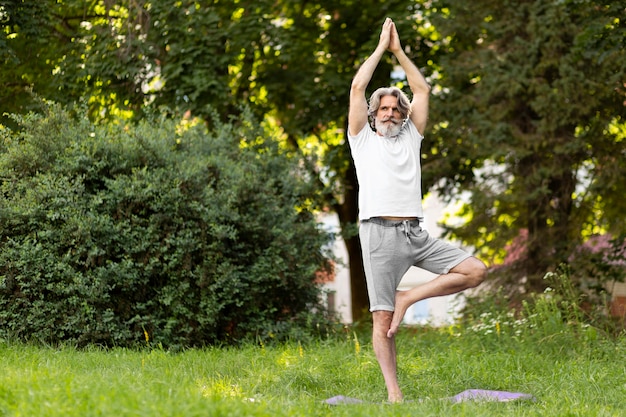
(388, 120)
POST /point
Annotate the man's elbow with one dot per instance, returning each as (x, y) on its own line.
(423, 89)
(358, 85)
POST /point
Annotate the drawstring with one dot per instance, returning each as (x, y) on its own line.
(406, 225)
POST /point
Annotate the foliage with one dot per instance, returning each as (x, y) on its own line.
(530, 123)
(598, 265)
(292, 62)
(36, 40)
(527, 107)
(187, 236)
(563, 311)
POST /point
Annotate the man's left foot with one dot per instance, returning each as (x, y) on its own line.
(400, 309)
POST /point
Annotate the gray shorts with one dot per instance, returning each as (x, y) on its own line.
(390, 248)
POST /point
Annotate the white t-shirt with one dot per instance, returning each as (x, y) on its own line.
(388, 172)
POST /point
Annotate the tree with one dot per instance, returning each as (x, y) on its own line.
(531, 123)
(292, 61)
(31, 43)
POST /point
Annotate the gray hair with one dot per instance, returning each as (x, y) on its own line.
(404, 104)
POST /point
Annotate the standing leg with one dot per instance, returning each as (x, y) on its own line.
(385, 350)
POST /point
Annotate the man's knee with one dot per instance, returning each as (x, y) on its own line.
(474, 270)
(478, 273)
(381, 320)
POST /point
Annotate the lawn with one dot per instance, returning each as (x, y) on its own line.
(570, 373)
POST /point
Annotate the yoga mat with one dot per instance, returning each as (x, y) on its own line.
(467, 395)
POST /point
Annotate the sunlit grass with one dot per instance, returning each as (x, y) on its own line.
(294, 379)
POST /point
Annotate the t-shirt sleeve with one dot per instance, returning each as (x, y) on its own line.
(357, 141)
(414, 134)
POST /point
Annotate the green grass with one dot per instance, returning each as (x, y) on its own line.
(569, 375)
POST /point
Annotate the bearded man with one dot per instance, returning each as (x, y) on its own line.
(386, 154)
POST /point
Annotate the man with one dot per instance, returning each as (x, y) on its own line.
(387, 161)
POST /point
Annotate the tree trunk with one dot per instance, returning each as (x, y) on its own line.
(551, 229)
(348, 217)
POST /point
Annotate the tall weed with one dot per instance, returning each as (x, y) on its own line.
(557, 315)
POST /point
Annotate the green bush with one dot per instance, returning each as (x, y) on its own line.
(113, 234)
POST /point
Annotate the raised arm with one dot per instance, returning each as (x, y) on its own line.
(417, 82)
(357, 115)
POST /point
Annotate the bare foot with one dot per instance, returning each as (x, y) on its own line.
(402, 304)
(395, 398)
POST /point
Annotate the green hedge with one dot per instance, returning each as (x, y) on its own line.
(110, 234)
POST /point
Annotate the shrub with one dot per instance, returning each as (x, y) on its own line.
(115, 233)
(557, 314)
(597, 265)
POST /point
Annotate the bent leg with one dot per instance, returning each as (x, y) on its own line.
(468, 274)
(385, 350)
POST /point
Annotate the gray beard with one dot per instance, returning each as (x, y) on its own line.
(388, 131)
